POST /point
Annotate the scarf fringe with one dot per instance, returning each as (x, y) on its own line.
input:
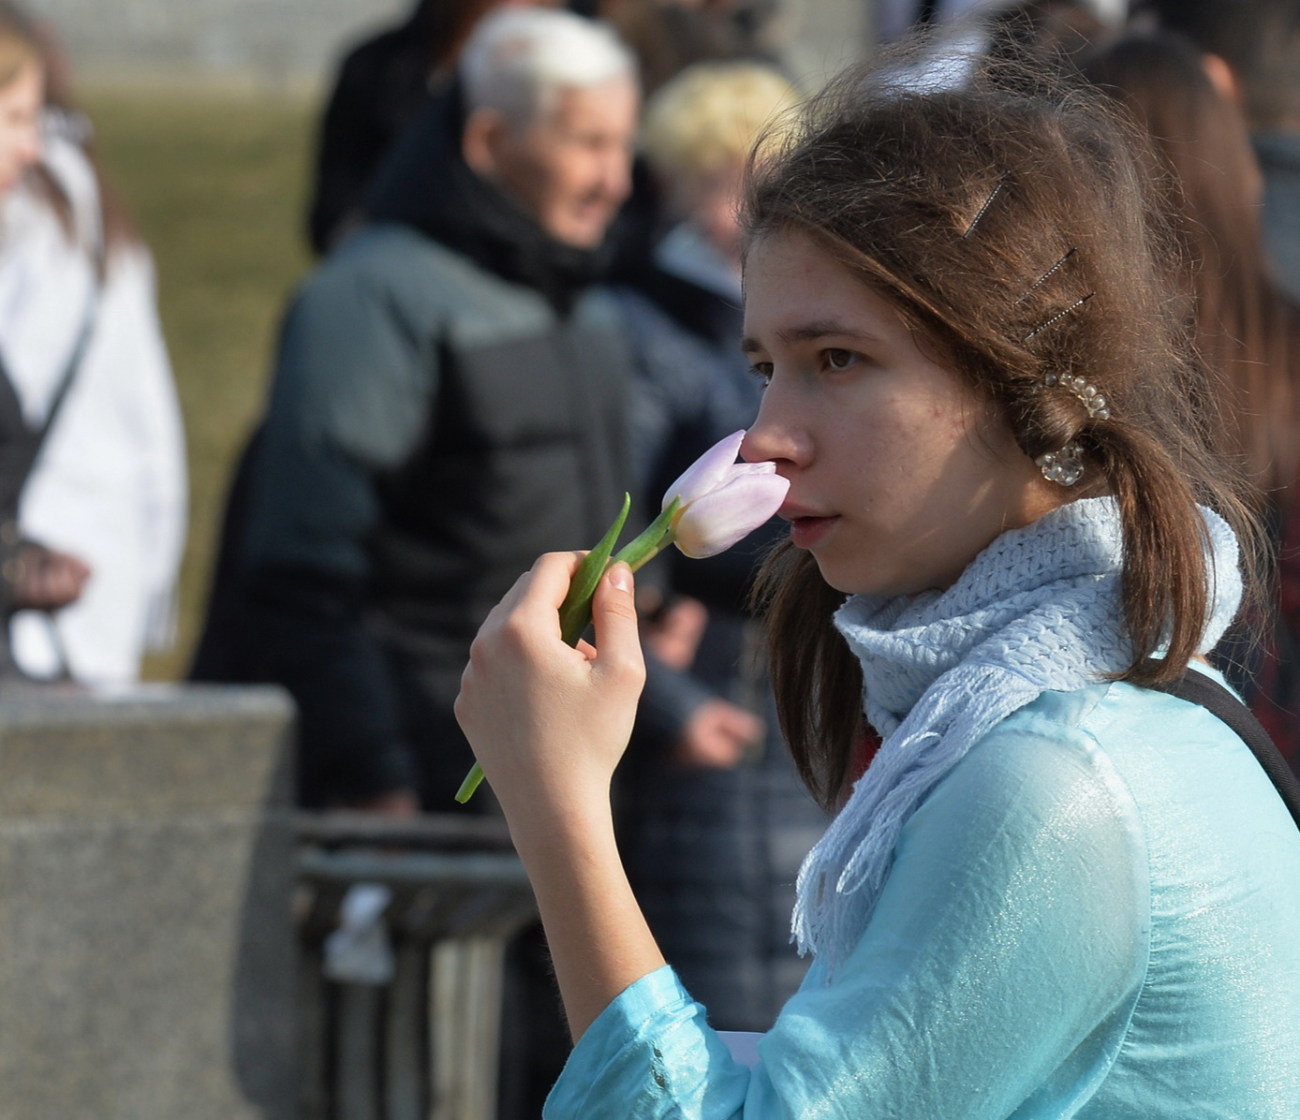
(842, 877)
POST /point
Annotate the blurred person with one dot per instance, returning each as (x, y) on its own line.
(1059, 32)
(381, 85)
(894, 18)
(713, 820)
(449, 389)
(670, 35)
(93, 438)
(1246, 328)
(667, 36)
(1252, 52)
(961, 37)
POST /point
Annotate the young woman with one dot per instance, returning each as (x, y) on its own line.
(1055, 891)
(92, 433)
(31, 575)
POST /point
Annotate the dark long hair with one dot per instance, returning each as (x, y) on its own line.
(1246, 331)
(1012, 222)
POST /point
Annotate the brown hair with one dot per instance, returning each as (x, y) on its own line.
(1244, 329)
(39, 43)
(1012, 223)
(20, 43)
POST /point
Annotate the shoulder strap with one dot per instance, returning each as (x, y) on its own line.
(1200, 689)
(23, 454)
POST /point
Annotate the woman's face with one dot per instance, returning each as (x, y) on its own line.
(712, 203)
(899, 474)
(21, 100)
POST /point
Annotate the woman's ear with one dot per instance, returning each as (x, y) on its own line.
(1222, 77)
(480, 141)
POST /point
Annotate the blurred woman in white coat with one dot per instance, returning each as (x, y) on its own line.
(102, 503)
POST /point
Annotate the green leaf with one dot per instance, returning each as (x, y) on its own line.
(575, 611)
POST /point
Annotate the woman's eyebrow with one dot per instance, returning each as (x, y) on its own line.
(810, 332)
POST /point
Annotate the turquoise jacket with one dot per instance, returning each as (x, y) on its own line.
(1095, 915)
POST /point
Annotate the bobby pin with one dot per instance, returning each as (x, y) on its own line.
(985, 208)
(1045, 277)
(1058, 316)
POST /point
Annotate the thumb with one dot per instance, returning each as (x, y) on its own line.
(613, 613)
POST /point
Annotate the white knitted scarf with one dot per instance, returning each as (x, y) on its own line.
(1038, 610)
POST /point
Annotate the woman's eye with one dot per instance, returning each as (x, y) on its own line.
(763, 371)
(840, 359)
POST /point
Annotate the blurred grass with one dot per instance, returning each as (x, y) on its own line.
(216, 181)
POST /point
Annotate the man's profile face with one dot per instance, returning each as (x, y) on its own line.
(570, 168)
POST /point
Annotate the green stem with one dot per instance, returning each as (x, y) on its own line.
(575, 611)
(470, 784)
(654, 538)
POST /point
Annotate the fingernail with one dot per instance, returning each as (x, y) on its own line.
(620, 577)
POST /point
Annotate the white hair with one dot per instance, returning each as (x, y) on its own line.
(518, 58)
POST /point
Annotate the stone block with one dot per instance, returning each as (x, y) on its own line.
(147, 949)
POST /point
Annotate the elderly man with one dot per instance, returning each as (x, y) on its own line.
(448, 402)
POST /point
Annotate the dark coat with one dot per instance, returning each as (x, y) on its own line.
(448, 402)
(381, 87)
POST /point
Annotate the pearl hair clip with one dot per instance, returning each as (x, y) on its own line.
(1065, 467)
(1087, 393)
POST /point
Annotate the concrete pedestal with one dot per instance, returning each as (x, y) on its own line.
(148, 961)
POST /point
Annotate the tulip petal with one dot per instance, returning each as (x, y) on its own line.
(708, 472)
(753, 468)
(714, 522)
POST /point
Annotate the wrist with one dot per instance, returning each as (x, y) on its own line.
(567, 832)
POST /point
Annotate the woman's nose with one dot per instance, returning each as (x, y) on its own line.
(773, 437)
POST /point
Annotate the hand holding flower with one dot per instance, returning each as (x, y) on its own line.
(548, 718)
(713, 505)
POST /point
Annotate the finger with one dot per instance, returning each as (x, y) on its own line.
(613, 611)
(551, 575)
(538, 583)
(544, 586)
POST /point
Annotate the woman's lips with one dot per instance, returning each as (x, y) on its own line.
(807, 530)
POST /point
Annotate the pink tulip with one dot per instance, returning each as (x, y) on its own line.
(723, 500)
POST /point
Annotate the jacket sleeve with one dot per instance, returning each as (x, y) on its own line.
(158, 433)
(351, 395)
(995, 977)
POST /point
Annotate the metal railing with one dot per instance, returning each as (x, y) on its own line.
(422, 1041)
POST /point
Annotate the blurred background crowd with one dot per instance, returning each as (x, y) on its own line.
(295, 383)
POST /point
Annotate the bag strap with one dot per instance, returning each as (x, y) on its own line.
(1200, 689)
(23, 456)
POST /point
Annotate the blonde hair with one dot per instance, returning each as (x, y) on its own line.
(708, 117)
